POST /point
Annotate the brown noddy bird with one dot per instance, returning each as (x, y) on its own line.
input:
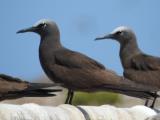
(76, 71)
(138, 66)
(13, 88)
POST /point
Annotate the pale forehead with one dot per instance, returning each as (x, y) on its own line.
(42, 21)
(121, 28)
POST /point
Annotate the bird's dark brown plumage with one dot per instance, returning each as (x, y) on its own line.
(12, 88)
(144, 69)
(77, 71)
(138, 66)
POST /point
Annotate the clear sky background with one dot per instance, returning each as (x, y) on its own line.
(79, 21)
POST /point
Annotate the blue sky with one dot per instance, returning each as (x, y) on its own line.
(79, 23)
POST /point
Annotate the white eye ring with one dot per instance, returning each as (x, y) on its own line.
(119, 32)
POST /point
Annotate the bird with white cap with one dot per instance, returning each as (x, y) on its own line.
(138, 66)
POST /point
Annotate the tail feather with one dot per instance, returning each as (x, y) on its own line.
(132, 88)
(48, 90)
(34, 86)
(30, 93)
(17, 88)
(138, 86)
(130, 92)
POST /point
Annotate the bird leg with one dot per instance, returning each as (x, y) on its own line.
(146, 102)
(68, 96)
(71, 97)
(154, 100)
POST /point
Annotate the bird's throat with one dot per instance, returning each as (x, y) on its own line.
(127, 51)
(47, 48)
(50, 43)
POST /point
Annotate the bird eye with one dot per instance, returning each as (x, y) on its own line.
(42, 25)
(118, 32)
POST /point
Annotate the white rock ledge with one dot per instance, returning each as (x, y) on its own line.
(68, 112)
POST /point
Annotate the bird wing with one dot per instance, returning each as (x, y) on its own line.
(12, 88)
(144, 69)
(83, 72)
(9, 84)
(93, 76)
(145, 62)
(74, 59)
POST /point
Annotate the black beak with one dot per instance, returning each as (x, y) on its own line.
(108, 36)
(31, 29)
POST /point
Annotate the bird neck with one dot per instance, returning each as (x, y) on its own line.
(127, 51)
(50, 43)
(47, 47)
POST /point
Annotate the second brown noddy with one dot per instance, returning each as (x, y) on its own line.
(76, 71)
(138, 66)
(13, 88)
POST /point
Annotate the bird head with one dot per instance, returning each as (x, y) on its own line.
(42, 27)
(121, 34)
